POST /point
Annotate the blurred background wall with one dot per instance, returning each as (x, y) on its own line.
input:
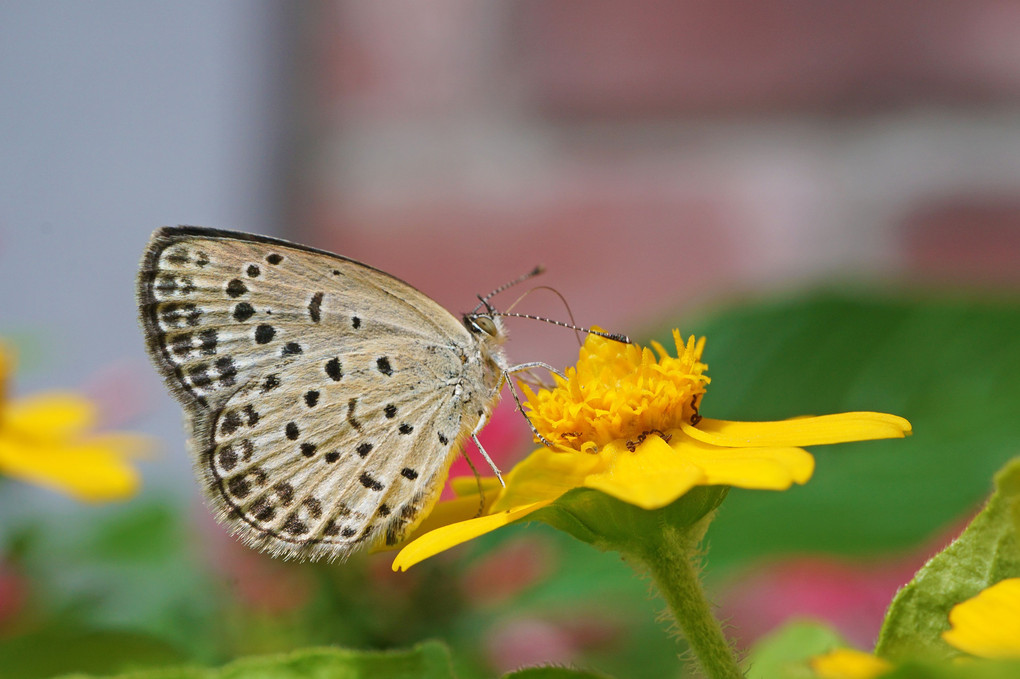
(655, 156)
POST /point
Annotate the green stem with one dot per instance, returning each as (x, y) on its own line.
(671, 562)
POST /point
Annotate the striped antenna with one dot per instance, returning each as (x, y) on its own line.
(616, 337)
(531, 274)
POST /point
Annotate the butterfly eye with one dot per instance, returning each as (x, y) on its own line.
(485, 324)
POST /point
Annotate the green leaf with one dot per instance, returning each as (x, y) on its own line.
(949, 366)
(44, 654)
(784, 654)
(987, 552)
(429, 660)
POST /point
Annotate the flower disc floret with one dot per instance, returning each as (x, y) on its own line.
(620, 392)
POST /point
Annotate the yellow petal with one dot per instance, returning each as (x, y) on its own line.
(52, 416)
(458, 509)
(652, 476)
(988, 625)
(802, 431)
(444, 538)
(468, 485)
(762, 468)
(87, 471)
(546, 474)
(847, 663)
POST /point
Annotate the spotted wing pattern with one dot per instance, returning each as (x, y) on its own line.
(325, 398)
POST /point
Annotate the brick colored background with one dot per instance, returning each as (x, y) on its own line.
(659, 156)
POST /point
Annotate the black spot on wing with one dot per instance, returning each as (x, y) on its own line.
(230, 423)
(198, 375)
(370, 483)
(313, 506)
(295, 526)
(227, 457)
(263, 510)
(177, 257)
(227, 369)
(239, 486)
(264, 334)
(353, 421)
(236, 288)
(285, 492)
(315, 306)
(208, 340)
(243, 311)
(180, 345)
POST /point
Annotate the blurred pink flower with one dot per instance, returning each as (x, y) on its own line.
(529, 641)
(851, 595)
(526, 641)
(509, 569)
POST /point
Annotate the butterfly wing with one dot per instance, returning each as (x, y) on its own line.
(309, 461)
(325, 398)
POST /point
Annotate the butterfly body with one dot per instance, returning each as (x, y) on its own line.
(325, 399)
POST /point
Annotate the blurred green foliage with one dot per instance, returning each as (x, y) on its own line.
(187, 593)
(951, 367)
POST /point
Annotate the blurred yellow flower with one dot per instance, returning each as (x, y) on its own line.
(988, 625)
(848, 663)
(45, 440)
(625, 422)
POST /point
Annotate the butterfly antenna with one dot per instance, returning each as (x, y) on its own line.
(531, 274)
(563, 299)
(616, 337)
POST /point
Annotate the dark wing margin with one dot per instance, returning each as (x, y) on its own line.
(155, 338)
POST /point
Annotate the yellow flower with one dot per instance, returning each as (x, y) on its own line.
(45, 439)
(625, 422)
(848, 663)
(988, 625)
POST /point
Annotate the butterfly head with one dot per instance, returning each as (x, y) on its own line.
(485, 326)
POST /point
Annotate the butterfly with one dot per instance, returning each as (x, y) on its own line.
(325, 399)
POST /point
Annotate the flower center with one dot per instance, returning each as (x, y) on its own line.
(620, 391)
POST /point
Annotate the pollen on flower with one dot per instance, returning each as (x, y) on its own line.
(621, 392)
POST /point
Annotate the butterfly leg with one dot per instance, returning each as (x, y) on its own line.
(474, 437)
(525, 367)
(517, 399)
(478, 480)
